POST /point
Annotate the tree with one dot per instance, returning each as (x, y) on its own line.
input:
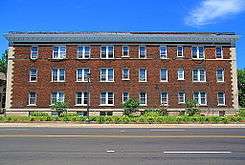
(130, 106)
(241, 87)
(4, 62)
(191, 108)
(60, 107)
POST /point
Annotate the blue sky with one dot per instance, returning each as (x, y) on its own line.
(125, 15)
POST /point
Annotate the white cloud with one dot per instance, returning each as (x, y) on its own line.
(209, 11)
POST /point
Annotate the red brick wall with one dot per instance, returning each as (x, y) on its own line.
(44, 86)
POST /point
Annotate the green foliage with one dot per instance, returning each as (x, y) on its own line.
(130, 106)
(60, 107)
(39, 114)
(191, 108)
(242, 112)
(4, 62)
(241, 87)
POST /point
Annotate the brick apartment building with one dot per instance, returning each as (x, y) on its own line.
(157, 68)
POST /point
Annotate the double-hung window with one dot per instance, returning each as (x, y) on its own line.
(180, 51)
(181, 74)
(142, 99)
(58, 75)
(181, 97)
(221, 98)
(198, 75)
(57, 97)
(125, 97)
(107, 52)
(125, 74)
(142, 52)
(219, 52)
(82, 98)
(142, 75)
(125, 51)
(32, 98)
(83, 52)
(200, 98)
(106, 98)
(106, 75)
(163, 52)
(220, 75)
(164, 98)
(163, 75)
(59, 52)
(198, 52)
(82, 74)
(33, 75)
(34, 52)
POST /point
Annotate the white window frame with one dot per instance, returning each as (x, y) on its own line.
(163, 56)
(58, 75)
(83, 53)
(107, 52)
(182, 51)
(199, 98)
(144, 98)
(31, 55)
(223, 75)
(198, 52)
(183, 73)
(199, 75)
(181, 102)
(161, 75)
(221, 52)
(123, 51)
(145, 52)
(223, 99)
(123, 78)
(58, 93)
(82, 99)
(60, 55)
(29, 99)
(33, 75)
(83, 74)
(161, 98)
(145, 79)
(107, 75)
(107, 99)
(123, 101)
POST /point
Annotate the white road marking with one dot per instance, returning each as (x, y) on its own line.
(167, 130)
(197, 152)
(14, 129)
(110, 151)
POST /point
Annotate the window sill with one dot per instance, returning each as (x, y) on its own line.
(142, 81)
(180, 79)
(199, 59)
(164, 81)
(83, 58)
(82, 81)
(125, 56)
(125, 79)
(220, 81)
(202, 105)
(199, 81)
(143, 105)
(58, 81)
(221, 105)
(81, 105)
(107, 81)
(31, 105)
(33, 59)
(106, 105)
(58, 59)
(181, 103)
(164, 58)
(32, 81)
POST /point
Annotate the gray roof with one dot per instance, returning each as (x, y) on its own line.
(151, 37)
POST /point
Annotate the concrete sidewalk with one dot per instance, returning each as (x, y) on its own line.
(77, 125)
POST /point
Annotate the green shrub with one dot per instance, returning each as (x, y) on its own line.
(242, 112)
(60, 107)
(39, 114)
(191, 108)
(130, 106)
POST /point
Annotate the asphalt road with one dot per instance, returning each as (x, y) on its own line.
(58, 146)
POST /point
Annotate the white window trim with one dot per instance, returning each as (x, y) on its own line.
(32, 52)
(198, 55)
(76, 104)
(107, 98)
(83, 52)
(123, 51)
(222, 56)
(59, 54)
(199, 98)
(198, 75)
(57, 94)
(107, 75)
(223, 76)
(166, 48)
(123, 96)
(107, 52)
(29, 99)
(58, 75)
(145, 99)
(30, 75)
(182, 69)
(166, 104)
(223, 99)
(83, 75)
(145, 75)
(181, 51)
(179, 102)
(139, 52)
(128, 74)
(166, 75)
